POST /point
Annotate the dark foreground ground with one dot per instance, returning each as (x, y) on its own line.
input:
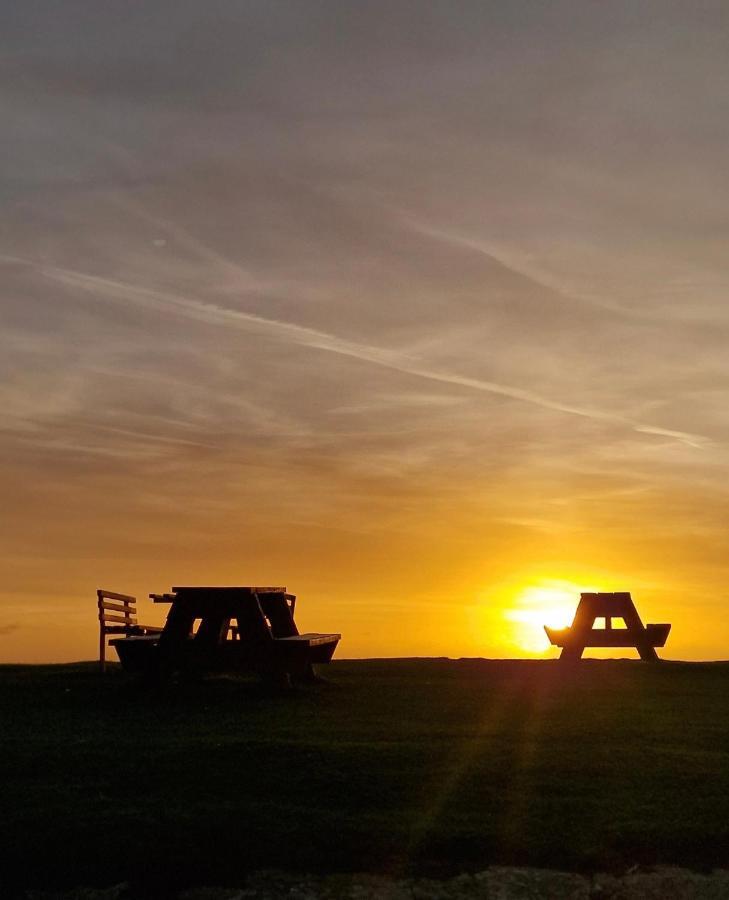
(396, 767)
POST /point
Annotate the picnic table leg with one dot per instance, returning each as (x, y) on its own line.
(581, 624)
(310, 676)
(647, 651)
(636, 627)
(210, 637)
(572, 652)
(173, 638)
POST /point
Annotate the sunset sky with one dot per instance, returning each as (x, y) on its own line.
(418, 308)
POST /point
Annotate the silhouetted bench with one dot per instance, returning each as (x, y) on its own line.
(118, 615)
(582, 633)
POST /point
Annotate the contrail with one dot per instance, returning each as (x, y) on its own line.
(497, 255)
(213, 314)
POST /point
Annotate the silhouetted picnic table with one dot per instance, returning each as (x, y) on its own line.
(619, 605)
(246, 627)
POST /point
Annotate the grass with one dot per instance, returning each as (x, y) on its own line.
(396, 766)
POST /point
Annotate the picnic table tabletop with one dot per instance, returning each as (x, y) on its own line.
(214, 590)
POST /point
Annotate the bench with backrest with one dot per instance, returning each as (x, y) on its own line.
(608, 606)
(118, 616)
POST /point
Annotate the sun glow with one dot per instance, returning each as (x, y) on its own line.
(550, 603)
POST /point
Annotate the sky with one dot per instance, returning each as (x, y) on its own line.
(418, 308)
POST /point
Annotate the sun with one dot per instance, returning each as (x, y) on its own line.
(550, 603)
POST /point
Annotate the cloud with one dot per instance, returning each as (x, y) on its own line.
(214, 314)
(517, 265)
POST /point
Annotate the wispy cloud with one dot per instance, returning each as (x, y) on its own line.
(516, 264)
(214, 314)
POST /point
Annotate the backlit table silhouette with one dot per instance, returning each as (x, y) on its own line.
(264, 638)
(582, 632)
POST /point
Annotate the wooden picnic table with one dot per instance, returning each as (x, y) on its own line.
(264, 638)
(619, 605)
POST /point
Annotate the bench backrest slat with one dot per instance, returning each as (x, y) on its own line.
(117, 614)
(125, 620)
(112, 595)
(117, 607)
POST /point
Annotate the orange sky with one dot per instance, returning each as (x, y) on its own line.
(417, 308)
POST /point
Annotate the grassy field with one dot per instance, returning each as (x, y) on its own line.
(395, 766)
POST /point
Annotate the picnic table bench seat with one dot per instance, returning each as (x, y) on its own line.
(321, 647)
(653, 634)
(136, 651)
